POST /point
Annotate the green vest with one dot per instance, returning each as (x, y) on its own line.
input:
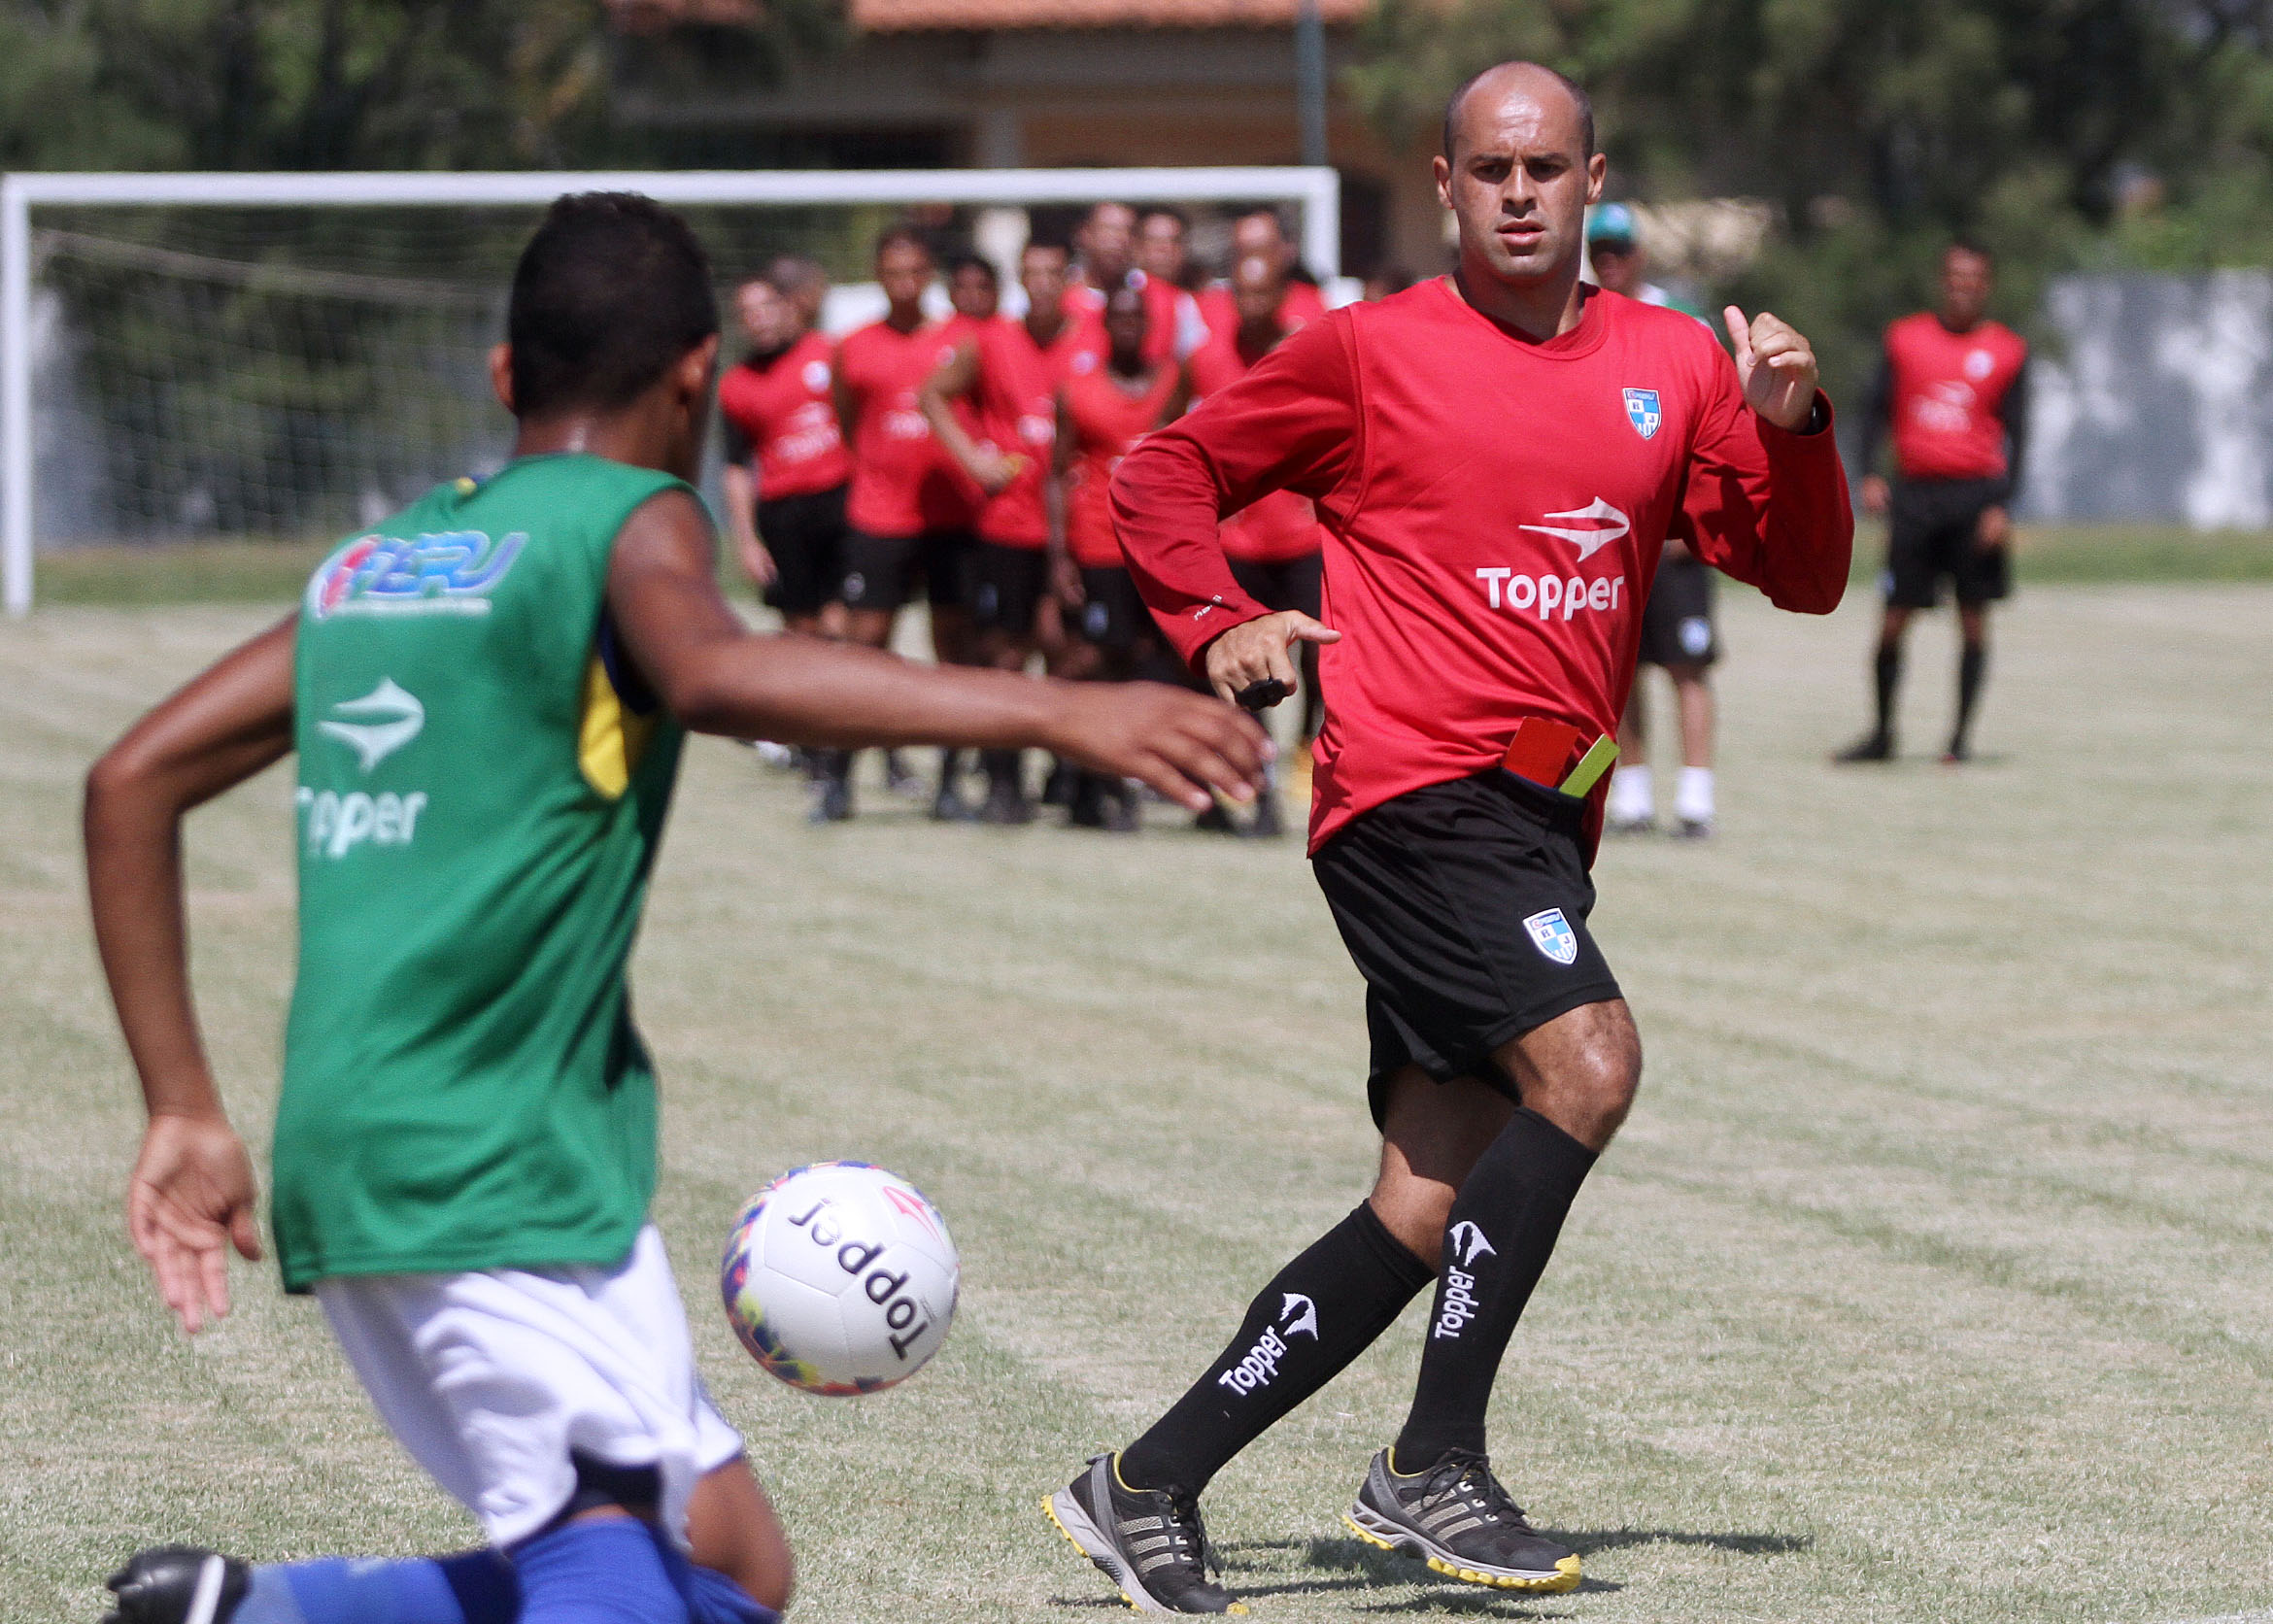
(482, 790)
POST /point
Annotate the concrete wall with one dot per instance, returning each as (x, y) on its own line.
(2153, 400)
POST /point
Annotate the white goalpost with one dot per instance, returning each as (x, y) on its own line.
(1314, 193)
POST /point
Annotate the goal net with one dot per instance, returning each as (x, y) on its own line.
(281, 358)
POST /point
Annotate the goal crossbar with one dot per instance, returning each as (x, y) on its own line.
(1317, 191)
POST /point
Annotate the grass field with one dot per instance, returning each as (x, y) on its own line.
(1930, 1281)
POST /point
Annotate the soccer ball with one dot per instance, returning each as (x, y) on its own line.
(840, 1278)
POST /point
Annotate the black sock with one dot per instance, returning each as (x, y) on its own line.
(950, 768)
(1318, 1315)
(1497, 1244)
(1002, 766)
(1887, 672)
(1972, 668)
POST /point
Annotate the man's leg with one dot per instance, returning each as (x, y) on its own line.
(1972, 672)
(1577, 1075)
(1693, 797)
(1633, 797)
(1878, 745)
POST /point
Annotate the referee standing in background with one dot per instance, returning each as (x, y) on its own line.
(1953, 386)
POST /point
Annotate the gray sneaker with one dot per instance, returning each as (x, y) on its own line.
(1148, 1542)
(1456, 1518)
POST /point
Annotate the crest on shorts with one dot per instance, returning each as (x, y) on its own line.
(1643, 412)
(1552, 936)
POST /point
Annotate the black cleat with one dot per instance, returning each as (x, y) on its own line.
(1265, 822)
(1693, 829)
(178, 1584)
(1456, 1518)
(1148, 1542)
(1871, 747)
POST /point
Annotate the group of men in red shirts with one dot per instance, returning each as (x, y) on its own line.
(966, 458)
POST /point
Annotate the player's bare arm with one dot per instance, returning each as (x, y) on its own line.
(716, 676)
(192, 1191)
(740, 489)
(957, 376)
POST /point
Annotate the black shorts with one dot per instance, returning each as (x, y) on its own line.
(1465, 906)
(1284, 583)
(1006, 587)
(805, 534)
(1112, 614)
(1932, 535)
(1677, 622)
(882, 572)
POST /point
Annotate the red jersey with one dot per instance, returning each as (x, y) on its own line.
(1106, 419)
(901, 481)
(1494, 509)
(784, 411)
(1278, 526)
(1946, 397)
(1017, 398)
(1300, 306)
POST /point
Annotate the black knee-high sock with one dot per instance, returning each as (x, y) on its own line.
(1497, 1242)
(1886, 675)
(1318, 1315)
(1972, 670)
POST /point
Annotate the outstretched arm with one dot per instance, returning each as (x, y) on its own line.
(716, 676)
(192, 1195)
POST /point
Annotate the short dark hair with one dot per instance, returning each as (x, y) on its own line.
(906, 234)
(965, 261)
(792, 274)
(609, 294)
(1577, 92)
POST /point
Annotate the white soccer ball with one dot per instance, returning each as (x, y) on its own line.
(840, 1278)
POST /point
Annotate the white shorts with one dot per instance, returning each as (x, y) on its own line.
(491, 1379)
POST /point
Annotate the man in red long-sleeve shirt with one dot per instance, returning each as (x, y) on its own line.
(1497, 458)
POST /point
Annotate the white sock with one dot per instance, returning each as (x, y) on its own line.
(1631, 799)
(1693, 799)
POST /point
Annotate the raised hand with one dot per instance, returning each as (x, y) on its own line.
(1776, 367)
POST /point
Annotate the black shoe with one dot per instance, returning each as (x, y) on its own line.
(1215, 820)
(178, 1584)
(832, 802)
(1456, 1518)
(1006, 804)
(899, 780)
(1148, 1542)
(1871, 747)
(1693, 829)
(1087, 808)
(1266, 823)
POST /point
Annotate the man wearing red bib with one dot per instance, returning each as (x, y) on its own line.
(1102, 412)
(1497, 458)
(1953, 388)
(786, 463)
(1009, 372)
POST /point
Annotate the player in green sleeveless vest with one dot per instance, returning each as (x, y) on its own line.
(487, 695)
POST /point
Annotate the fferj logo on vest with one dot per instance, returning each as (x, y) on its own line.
(449, 572)
(1644, 413)
(1552, 936)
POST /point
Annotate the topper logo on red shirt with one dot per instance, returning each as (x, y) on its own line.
(1606, 526)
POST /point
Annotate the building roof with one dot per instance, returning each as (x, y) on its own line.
(902, 15)
(889, 17)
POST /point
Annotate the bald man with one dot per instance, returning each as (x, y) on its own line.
(1498, 458)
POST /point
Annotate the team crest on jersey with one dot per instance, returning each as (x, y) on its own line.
(1552, 936)
(449, 572)
(1643, 412)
